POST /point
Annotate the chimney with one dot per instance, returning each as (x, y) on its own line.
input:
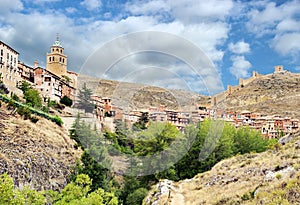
(36, 64)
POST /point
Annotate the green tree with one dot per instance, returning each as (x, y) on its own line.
(85, 100)
(6, 189)
(78, 192)
(136, 197)
(248, 140)
(33, 98)
(24, 86)
(66, 101)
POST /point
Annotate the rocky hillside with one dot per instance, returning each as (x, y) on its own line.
(271, 94)
(138, 96)
(38, 155)
(272, 177)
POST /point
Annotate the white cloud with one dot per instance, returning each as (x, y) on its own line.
(287, 43)
(43, 1)
(279, 21)
(208, 34)
(191, 11)
(240, 67)
(10, 5)
(148, 7)
(71, 10)
(239, 48)
(91, 4)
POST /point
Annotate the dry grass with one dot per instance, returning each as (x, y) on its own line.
(233, 179)
(40, 151)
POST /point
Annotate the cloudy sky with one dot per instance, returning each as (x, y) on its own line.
(237, 37)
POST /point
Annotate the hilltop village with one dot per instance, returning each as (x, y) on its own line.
(55, 81)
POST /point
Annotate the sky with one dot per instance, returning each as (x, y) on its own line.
(197, 45)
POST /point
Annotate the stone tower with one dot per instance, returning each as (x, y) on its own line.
(56, 61)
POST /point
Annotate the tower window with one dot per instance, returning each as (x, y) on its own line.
(50, 59)
(57, 49)
(53, 58)
(59, 59)
(63, 60)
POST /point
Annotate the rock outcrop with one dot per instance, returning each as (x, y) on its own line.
(270, 94)
(36, 155)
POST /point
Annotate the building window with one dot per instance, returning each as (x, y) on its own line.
(63, 60)
(59, 59)
(53, 58)
(49, 59)
(49, 84)
(1, 52)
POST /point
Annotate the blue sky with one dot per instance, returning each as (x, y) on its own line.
(237, 36)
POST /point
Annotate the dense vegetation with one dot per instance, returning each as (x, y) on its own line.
(77, 192)
(197, 148)
(158, 137)
(33, 104)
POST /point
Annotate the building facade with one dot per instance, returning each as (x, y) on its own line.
(9, 66)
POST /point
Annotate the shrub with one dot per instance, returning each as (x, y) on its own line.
(15, 97)
(3, 89)
(57, 120)
(34, 119)
(66, 101)
(278, 176)
(136, 197)
(25, 112)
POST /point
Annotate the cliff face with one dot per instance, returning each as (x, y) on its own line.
(246, 179)
(38, 155)
(271, 94)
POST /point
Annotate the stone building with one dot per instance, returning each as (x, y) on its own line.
(9, 66)
(56, 61)
(54, 82)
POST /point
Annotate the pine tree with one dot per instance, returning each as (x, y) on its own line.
(85, 99)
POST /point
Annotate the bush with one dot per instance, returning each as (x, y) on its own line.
(66, 101)
(34, 119)
(137, 196)
(3, 89)
(15, 97)
(57, 120)
(25, 112)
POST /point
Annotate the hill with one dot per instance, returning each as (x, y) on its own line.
(276, 93)
(271, 177)
(139, 96)
(38, 155)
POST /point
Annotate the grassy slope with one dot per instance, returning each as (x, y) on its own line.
(274, 174)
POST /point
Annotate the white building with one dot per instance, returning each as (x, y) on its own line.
(9, 66)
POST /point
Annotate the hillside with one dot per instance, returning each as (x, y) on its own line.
(39, 155)
(270, 94)
(271, 176)
(138, 96)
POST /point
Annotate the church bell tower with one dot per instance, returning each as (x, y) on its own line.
(56, 61)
